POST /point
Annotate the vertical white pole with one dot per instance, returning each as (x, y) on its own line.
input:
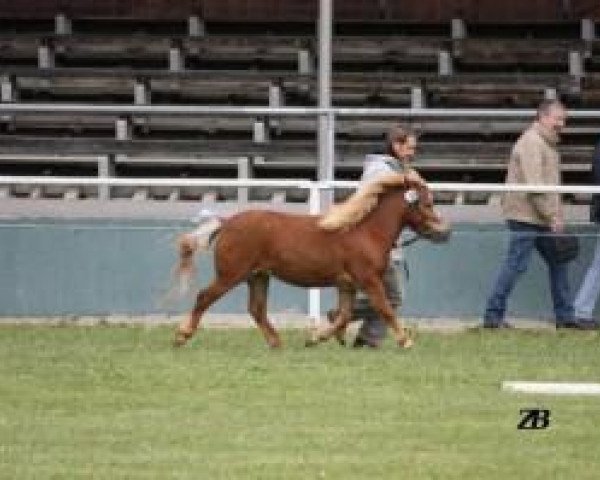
(326, 137)
(314, 294)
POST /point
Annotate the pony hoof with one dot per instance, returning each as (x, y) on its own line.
(180, 339)
(312, 341)
(313, 338)
(405, 343)
(341, 339)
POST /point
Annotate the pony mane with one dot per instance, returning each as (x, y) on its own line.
(350, 212)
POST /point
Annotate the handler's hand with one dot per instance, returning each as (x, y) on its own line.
(557, 225)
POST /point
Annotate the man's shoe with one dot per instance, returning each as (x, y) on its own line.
(571, 324)
(360, 342)
(499, 325)
(579, 324)
(590, 324)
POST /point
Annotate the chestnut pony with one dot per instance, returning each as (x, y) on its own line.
(347, 248)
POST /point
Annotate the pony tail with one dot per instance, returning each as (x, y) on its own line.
(185, 270)
(188, 245)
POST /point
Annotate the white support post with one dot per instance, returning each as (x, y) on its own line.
(459, 33)
(46, 56)
(8, 91)
(176, 61)
(459, 30)
(122, 133)
(244, 173)
(588, 29)
(305, 62)
(417, 98)
(314, 294)
(575, 64)
(141, 96)
(260, 132)
(196, 27)
(588, 35)
(210, 196)
(260, 136)
(36, 192)
(278, 197)
(550, 94)
(326, 123)
(140, 194)
(275, 101)
(326, 154)
(306, 66)
(71, 193)
(123, 129)
(576, 71)
(275, 98)
(175, 195)
(141, 92)
(445, 67)
(106, 169)
(62, 24)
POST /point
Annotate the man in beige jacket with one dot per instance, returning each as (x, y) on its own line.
(533, 217)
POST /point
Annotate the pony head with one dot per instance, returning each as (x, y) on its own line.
(421, 215)
(419, 212)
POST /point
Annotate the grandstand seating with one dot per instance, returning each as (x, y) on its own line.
(382, 62)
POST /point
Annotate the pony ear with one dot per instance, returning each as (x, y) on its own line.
(411, 196)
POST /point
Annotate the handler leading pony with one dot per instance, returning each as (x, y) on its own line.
(347, 248)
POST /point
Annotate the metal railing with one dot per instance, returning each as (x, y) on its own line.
(326, 115)
(186, 110)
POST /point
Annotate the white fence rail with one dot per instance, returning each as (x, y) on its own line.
(282, 183)
(187, 110)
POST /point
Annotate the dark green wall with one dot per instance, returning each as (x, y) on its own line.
(122, 267)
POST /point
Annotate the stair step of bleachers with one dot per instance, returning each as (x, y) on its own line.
(378, 61)
(521, 90)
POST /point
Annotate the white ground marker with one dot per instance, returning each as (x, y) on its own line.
(553, 388)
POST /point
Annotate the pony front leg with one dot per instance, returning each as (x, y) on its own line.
(380, 303)
(340, 335)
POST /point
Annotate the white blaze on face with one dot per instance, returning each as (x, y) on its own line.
(411, 196)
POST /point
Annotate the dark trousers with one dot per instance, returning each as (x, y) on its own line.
(373, 328)
(524, 237)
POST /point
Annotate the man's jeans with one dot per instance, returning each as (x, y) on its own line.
(524, 237)
(585, 301)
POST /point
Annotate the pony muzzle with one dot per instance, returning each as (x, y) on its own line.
(438, 232)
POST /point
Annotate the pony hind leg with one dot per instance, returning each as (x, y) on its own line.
(258, 285)
(204, 300)
(338, 319)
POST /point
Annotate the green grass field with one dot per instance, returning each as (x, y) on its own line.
(119, 403)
